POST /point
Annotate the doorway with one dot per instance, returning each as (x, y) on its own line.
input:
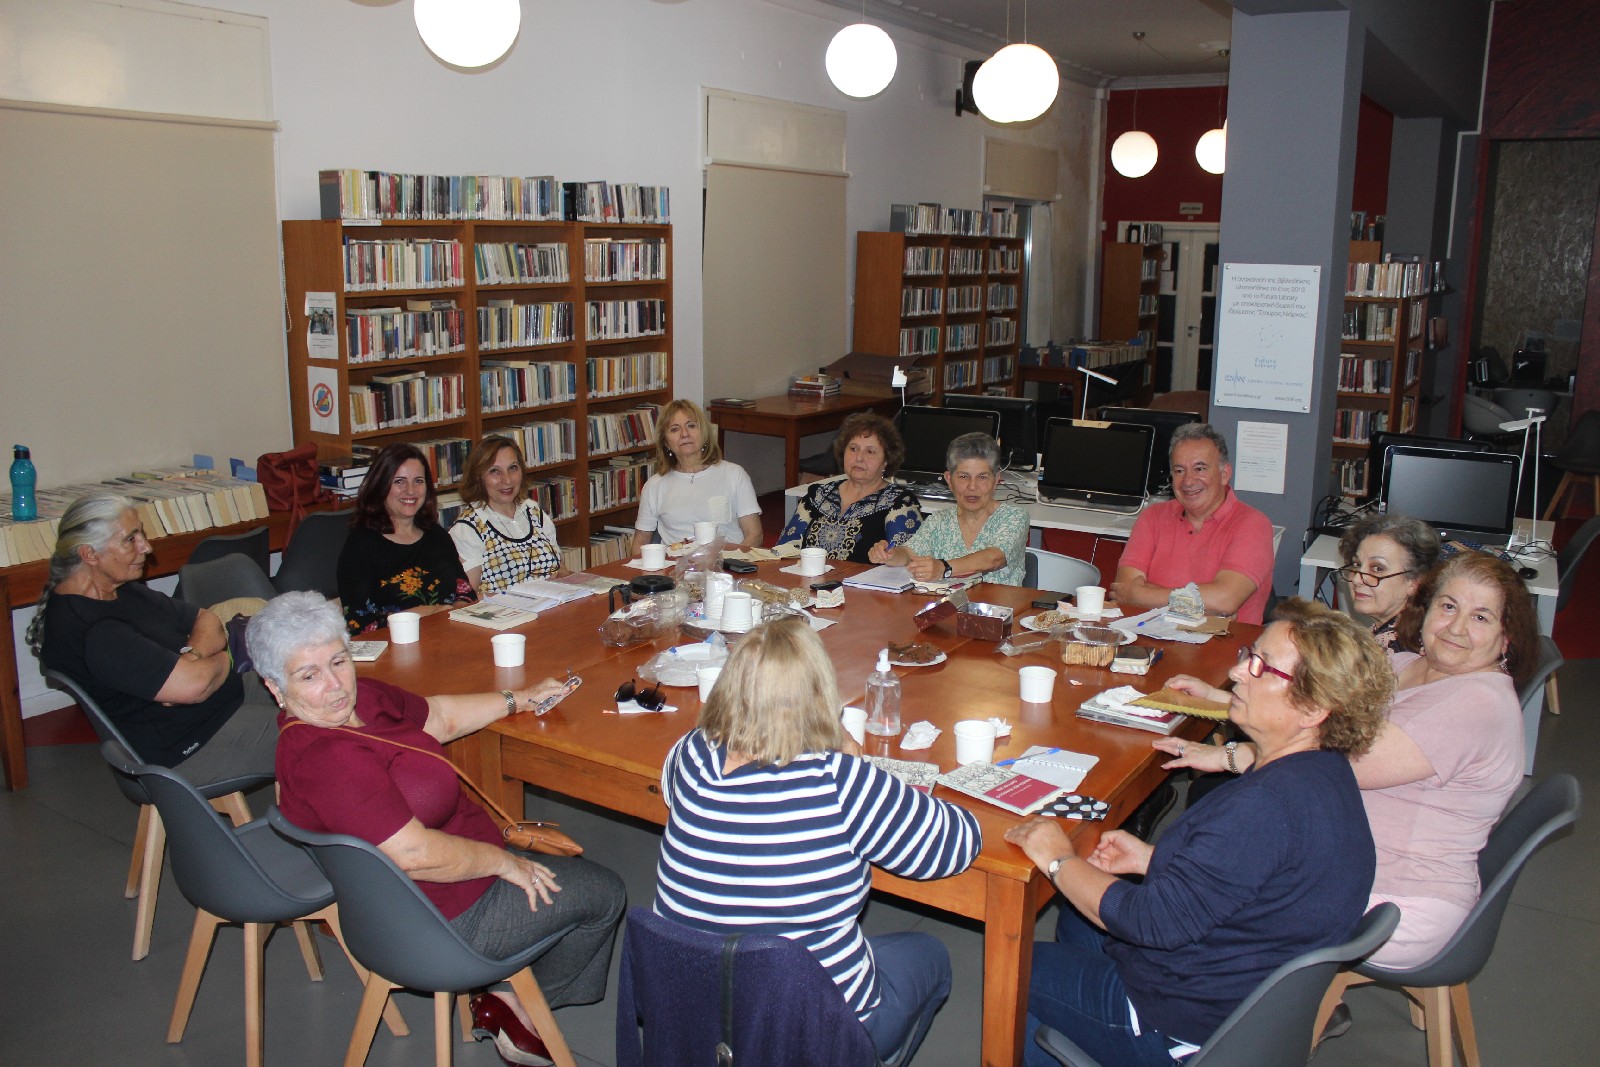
(1188, 301)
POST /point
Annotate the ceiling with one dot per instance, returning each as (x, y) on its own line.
(1092, 40)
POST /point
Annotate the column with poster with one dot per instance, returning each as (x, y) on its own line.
(1266, 336)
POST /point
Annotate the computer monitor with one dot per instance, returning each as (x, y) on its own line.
(1455, 491)
(1019, 428)
(1099, 465)
(1164, 422)
(928, 432)
(1381, 441)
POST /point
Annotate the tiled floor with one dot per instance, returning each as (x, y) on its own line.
(70, 994)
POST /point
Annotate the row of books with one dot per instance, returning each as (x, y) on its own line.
(412, 263)
(936, 219)
(511, 263)
(921, 300)
(1370, 322)
(1351, 477)
(1002, 297)
(1096, 355)
(386, 401)
(506, 385)
(814, 386)
(997, 332)
(1393, 279)
(615, 431)
(919, 341)
(557, 496)
(610, 545)
(965, 299)
(1353, 426)
(617, 483)
(636, 372)
(626, 202)
(1365, 374)
(961, 374)
(1149, 304)
(377, 195)
(999, 369)
(545, 442)
(961, 338)
(379, 333)
(966, 261)
(611, 320)
(924, 259)
(447, 457)
(504, 323)
(635, 259)
(1005, 260)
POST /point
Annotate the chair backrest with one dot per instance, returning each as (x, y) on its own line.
(1550, 661)
(786, 1010)
(1570, 556)
(1051, 570)
(311, 558)
(256, 544)
(104, 729)
(224, 578)
(391, 926)
(241, 874)
(1548, 807)
(1581, 452)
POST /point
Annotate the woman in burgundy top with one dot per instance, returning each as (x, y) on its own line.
(367, 760)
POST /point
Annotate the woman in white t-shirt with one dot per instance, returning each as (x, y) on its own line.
(503, 537)
(692, 483)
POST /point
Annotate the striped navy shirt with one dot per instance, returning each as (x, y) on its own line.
(788, 850)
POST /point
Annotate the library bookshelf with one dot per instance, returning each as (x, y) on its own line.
(952, 300)
(558, 334)
(1130, 293)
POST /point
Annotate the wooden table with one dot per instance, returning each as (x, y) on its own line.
(791, 419)
(21, 585)
(615, 761)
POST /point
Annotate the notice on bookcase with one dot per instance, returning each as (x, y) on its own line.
(321, 341)
(1267, 336)
(323, 398)
(1260, 455)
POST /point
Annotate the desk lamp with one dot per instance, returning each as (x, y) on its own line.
(1091, 374)
(1533, 422)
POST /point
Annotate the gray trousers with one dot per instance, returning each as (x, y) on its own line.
(246, 744)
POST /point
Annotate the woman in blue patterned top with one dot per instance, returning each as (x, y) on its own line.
(979, 535)
(847, 516)
(775, 823)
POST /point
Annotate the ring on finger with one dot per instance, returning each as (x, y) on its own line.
(1183, 746)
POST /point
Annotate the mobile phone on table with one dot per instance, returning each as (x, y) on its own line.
(738, 566)
(567, 688)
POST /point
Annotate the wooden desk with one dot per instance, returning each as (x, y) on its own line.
(615, 761)
(792, 419)
(20, 586)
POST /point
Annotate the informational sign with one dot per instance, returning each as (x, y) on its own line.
(1260, 454)
(1266, 336)
(321, 341)
(323, 397)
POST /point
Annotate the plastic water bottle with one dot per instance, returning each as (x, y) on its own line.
(24, 505)
(883, 699)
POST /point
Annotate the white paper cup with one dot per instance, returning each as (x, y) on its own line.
(405, 627)
(718, 586)
(1037, 684)
(813, 561)
(706, 678)
(974, 741)
(508, 649)
(705, 533)
(738, 611)
(855, 724)
(1091, 599)
(653, 555)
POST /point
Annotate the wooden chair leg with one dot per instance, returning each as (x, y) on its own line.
(443, 1053)
(308, 949)
(464, 1016)
(255, 999)
(372, 1001)
(1561, 490)
(1466, 1032)
(544, 1021)
(194, 965)
(131, 890)
(1435, 1003)
(144, 915)
(234, 807)
(1330, 1000)
(1552, 695)
(391, 1011)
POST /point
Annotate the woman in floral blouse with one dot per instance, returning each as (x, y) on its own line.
(847, 516)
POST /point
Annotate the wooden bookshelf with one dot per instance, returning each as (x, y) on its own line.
(1130, 300)
(612, 329)
(957, 299)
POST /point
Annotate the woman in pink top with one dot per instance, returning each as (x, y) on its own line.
(1450, 755)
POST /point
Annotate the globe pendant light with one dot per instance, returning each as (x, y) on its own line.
(861, 60)
(1133, 155)
(468, 33)
(1211, 151)
(1017, 83)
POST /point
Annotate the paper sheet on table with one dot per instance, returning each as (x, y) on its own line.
(1155, 624)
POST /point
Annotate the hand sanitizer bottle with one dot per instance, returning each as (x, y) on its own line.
(883, 699)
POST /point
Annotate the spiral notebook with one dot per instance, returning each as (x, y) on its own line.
(1059, 767)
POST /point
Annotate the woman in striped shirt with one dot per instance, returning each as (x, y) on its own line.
(776, 822)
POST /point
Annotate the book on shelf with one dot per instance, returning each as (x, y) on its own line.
(431, 304)
(1004, 787)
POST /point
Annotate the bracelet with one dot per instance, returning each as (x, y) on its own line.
(1233, 768)
(511, 702)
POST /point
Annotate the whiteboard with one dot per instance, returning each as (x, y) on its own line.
(1267, 336)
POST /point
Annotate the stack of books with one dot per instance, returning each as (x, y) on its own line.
(813, 386)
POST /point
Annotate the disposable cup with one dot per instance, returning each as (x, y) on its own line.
(706, 678)
(653, 556)
(405, 627)
(508, 649)
(717, 587)
(974, 741)
(738, 611)
(813, 561)
(1037, 684)
(855, 724)
(705, 533)
(1091, 599)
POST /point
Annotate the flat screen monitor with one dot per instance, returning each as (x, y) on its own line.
(1100, 465)
(928, 432)
(1456, 492)
(1164, 422)
(1019, 427)
(1380, 442)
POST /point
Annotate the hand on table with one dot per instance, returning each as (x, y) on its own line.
(926, 569)
(1119, 852)
(1042, 839)
(1194, 755)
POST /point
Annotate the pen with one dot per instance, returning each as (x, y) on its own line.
(1013, 759)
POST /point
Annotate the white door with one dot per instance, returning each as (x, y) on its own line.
(1188, 284)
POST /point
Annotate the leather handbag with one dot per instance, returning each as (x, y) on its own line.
(289, 480)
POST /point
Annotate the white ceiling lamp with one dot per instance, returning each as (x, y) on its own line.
(468, 33)
(861, 59)
(1211, 150)
(1017, 83)
(1134, 154)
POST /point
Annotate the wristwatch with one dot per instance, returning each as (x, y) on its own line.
(948, 570)
(1053, 867)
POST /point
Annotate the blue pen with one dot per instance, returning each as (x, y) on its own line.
(1013, 759)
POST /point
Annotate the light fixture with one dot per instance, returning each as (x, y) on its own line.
(1017, 83)
(861, 59)
(468, 33)
(1087, 373)
(1534, 425)
(1134, 154)
(1211, 150)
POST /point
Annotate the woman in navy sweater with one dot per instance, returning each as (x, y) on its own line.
(1274, 864)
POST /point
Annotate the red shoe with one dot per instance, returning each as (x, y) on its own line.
(493, 1019)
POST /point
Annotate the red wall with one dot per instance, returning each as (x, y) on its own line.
(1374, 139)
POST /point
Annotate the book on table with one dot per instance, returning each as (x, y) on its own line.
(1171, 700)
(367, 651)
(1117, 706)
(882, 578)
(492, 615)
(1004, 787)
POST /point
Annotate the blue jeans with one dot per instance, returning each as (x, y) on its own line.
(1075, 989)
(913, 982)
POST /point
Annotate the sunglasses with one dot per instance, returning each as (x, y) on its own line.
(650, 699)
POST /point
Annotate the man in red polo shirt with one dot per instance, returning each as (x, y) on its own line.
(1205, 535)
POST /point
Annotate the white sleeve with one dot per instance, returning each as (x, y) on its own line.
(741, 493)
(469, 546)
(650, 504)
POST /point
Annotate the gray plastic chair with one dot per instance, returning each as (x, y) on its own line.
(150, 840)
(224, 578)
(255, 544)
(394, 929)
(1440, 985)
(311, 558)
(1578, 459)
(1051, 570)
(234, 874)
(1543, 681)
(1272, 1027)
(1570, 556)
